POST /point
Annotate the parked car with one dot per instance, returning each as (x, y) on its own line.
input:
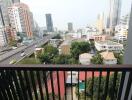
(23, 54)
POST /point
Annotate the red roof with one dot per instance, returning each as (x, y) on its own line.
(89, 75)
(55, 83)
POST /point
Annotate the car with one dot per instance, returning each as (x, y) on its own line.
(35, 46)
(13, 61)
(14, 48)
(23, 54)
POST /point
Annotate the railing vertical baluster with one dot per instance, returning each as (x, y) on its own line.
(1, 95)
(34, 84)
(92, 85)
(6, 84)
(78, 87)
(121, 85)
(65, 84)
(71, 87)
(58, 81)
(106, 86)
(15, 79)
(10, 81)
(114, 86)
(128, 86)
(52, 84)
(85, 84)
(2, 87)
(22, 85)
(28, 85)
(100, 75)
(40, 85)
(46, 86)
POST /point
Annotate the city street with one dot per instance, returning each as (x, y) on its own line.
(16, 54)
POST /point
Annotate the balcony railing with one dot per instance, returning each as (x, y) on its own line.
(65, 82)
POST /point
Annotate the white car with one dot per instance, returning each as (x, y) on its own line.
(23, 54)
(14, 48)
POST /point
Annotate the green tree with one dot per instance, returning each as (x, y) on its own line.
(89, 85)
(119, 57)
(64, 59)
(97, 59)
(79, 47)
(57, 37)
(49, 53)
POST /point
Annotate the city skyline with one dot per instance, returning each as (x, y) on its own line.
(64, 11)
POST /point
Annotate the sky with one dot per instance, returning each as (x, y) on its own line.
(80, 12)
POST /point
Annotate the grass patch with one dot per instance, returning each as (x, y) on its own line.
(29, 61)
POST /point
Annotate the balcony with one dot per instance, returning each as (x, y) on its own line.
(65, 82)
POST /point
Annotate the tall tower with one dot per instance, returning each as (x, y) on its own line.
(100, 22)
(70, 27)
(15, 1)
(49, 23)
(20, 17)
(114, 13)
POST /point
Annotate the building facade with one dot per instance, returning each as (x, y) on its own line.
(70, 27)
(114, 13)
(49, 23)
(108, 58)
(20, 19)
(108, 46)
(3, 40)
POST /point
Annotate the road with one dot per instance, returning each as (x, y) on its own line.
(16, 54)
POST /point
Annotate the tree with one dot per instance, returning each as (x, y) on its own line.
(64, 59)
(49, 53)
(57, 37)
(94, 87)
(119, 57)
(79, 47)
(97, 59)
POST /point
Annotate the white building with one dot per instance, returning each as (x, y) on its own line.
(85, 58)
(120, 36)
(108, 58)
(15, 19)
(3, 41)
(108, 45)
(21, 18)
(86, 33)
(55, 42)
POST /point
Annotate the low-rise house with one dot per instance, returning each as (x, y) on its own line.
(55, 42)
(101, 37)
(65, 48)
(109, 46)
(85, 58)
(108, 58)
(38, 51)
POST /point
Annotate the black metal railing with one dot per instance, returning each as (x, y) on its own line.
(65, 82)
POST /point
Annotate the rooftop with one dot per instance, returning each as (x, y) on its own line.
(108, 55)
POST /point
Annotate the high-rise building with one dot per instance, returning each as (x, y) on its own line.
(32, 21)
(49, 23)
(114, 13)
(70, 27)
(20, 18)
(4, 18)
(15, 1)
(100, 22)
(3, 40)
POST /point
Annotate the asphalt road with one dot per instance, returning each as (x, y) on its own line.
(16, 54)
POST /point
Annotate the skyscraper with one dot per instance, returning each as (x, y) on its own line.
(100, 22)
(15, 1)
(114, 13)
(20, 18)
(70, 27)
(49, 23)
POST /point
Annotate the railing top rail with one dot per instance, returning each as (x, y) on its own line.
(66, 67)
